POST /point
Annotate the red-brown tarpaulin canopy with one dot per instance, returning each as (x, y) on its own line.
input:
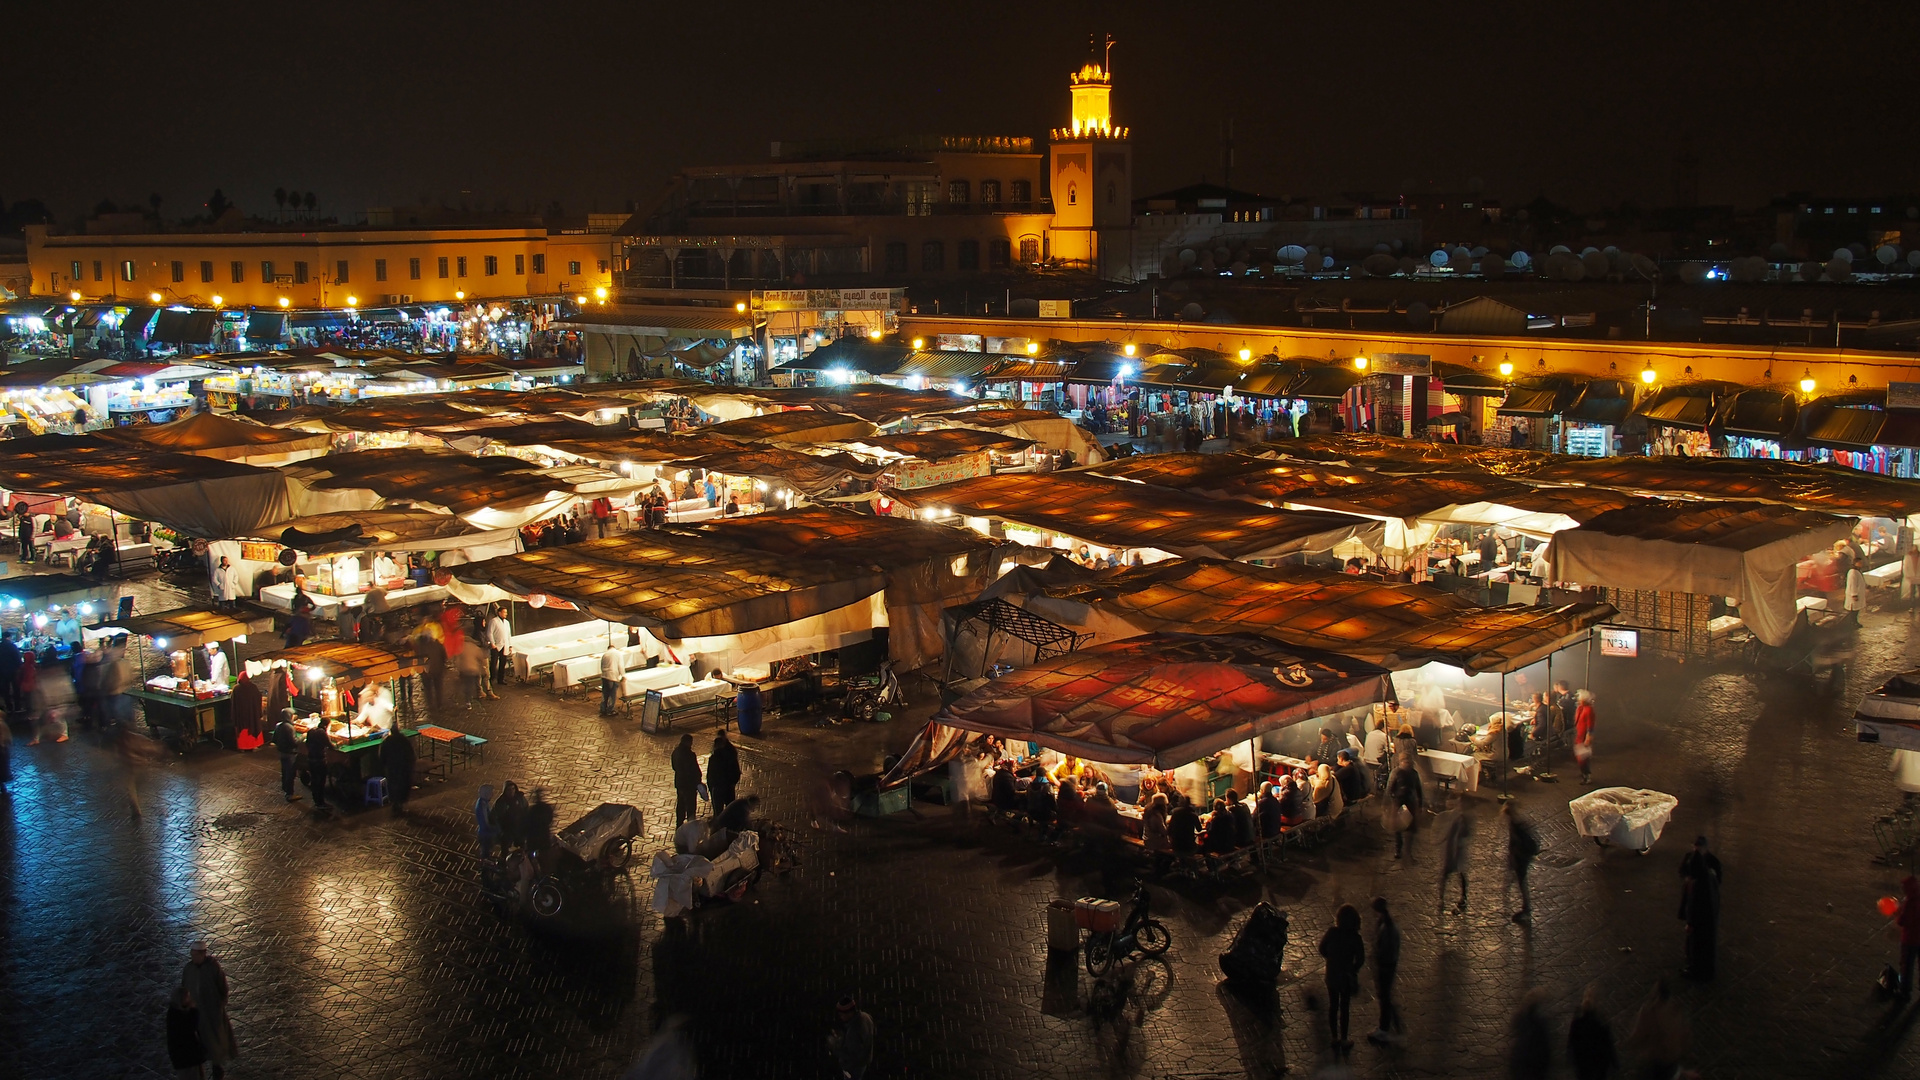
(1166, 699)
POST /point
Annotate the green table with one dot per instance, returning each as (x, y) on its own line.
(191, 719)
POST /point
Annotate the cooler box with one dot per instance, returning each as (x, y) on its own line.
(1097, 915)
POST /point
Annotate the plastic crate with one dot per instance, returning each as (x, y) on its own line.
(1097, 915)
(881, 803)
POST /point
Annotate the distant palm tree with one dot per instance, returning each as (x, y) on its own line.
(280, 196)
(310, 203)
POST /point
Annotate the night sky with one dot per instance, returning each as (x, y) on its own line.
(594, 105)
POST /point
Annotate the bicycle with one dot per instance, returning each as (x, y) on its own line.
(1141, 933)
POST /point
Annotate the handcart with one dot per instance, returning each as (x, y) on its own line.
(1630, 817)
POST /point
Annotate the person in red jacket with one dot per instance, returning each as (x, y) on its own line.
(1909, 920)
(602, 515)
(1583, 736)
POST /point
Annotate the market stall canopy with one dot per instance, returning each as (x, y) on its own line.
(1757, 413)
(389, 415)
(851, 354)
(1118, 514)
(33, 591)
(879, 404)
(612, 445)
(492, 492)
(796, 425)
(1231, 476)
(1832, 489)
(213, 436)
(679, 584)
(1395, 625)
(1385, 454)
(1687, 405)
(185, 628)
(1166, 699)
(197, 496)
(844, 536)
(1890, 714)
(1324, 382)
(1016, 370)
(1465, 498)
(937, 443)
(1049, 431)
(1467, 382)
(1540, 396)
(354, 663)
(1602, 401)
(1745, 551)
(383, 530)
(662, 321)
(809, 474)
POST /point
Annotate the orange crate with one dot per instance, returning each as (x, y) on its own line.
(1097, 915)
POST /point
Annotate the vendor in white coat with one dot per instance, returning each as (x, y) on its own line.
(1856, 598)
(1905, 767)
(226, 583)
(217, 668)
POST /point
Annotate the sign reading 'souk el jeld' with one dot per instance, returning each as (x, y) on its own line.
(829, 299)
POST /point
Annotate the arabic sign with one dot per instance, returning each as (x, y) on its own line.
(1395, 363)
(828, 299)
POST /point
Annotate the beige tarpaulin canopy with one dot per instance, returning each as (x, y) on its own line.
(198, 496)
(1745, 551)
(212, 436)
(495, 492)
(1048, 430)
(797, 425)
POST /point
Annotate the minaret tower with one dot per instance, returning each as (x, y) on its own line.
(1091, 171)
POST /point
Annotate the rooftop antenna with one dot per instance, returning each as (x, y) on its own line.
(1109, 54)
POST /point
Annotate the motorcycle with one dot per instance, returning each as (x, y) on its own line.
(1141, 933)
(868, 695)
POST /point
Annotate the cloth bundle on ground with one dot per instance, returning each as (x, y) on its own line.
(1630, 817)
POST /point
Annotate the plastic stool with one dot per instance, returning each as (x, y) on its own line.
(376, 791)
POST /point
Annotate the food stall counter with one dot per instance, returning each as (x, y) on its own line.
(280, 597)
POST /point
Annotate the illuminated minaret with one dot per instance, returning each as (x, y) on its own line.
(1091, 175)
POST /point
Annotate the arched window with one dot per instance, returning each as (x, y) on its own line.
(990, 192)
(958, 191)
(1073, 194)
(1113, 192)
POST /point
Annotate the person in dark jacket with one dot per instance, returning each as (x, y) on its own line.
(1405, 793)
(396, 760)
(1522, 845)
(317, 765)
(510, 817)
(9, 672)
(1040, 808)
(723, 771)
(1069, 808)
(1700, 907)
(686, 782)
(1346, 954)
(1183, 827)
(287, 741)
(1325, 751)
(1590, 1040)
(1266, 812)
(1296, 804)
(184, 1048)
(1356, 780)
(539, 823)
(1386, 965)
(1242, 814)
(1532, 1042)
(1003, 792)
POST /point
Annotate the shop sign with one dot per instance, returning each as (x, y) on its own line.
(1056, 309)
(1395, 363)
(1903, 395)
(1619, 641)
(919, 474)
(258, 551)
(828, 299)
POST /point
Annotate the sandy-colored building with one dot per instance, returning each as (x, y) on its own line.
(323, 265)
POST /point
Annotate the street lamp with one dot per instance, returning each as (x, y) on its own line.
(1506, 367)
(740, 306)
(1647, 374)
(1033, 348)
(1806, 382)
(1246, 355)
(284, 302)
(155, 297)
(218, 299)
(873, 334)
(74, 296)
(461, 294)
(600, 293)
(353, 301)
(919, 343)
(1359, 363)
(1130, 348)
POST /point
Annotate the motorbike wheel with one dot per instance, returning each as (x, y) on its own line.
(619, 853)
(1152, 938)
(1099, 954)
(546, 899)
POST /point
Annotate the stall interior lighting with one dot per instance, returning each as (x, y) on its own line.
(159, 643)
(740, 306)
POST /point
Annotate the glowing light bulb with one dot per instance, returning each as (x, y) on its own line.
(919, 343)
(1807, 384)
(1360, 363)
(1130, 348)
(1506, 368)
(284, 302)
(1246, 354)
(1647, 375)
(1033, 348)
(218, 300)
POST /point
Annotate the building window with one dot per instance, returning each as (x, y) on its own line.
(299, 273)
(1073, 194)
(340, 271)
(967, 255)
(1021, 192)
(999, 252)
(1113, 194)
(897, 257)
(603, 265)
(958, 191)
(126, 270)
(990, 192)
(413, 269)
(460, 265)
(443, 266)
(266, 272)
(179, 270)
(519, 265)
(573, 268)
(77, 271)
(379, 269)
(539, 264)
(206, 271)
(491, 264)
(933, 257)
(1029, 249)
(98, 274)
(237, 270)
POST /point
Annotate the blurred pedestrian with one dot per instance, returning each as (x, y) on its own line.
(1532, 1057)
(1405, 799)
(851, 1041)
(1700, 907)
(206, 984)
(11, 659)
(483, 821)
(509, 817)
(287, 741)
(668, 1057)
(499, 647)
(1660, 1035)
(1386, 965)
(723, 771)
(1454, 852)
(1346, 954)
(686, 781)
(396, 759)
(1590, 1040)
(317, 764)
(1523, 844)
(185, 1052)
(1583, 734)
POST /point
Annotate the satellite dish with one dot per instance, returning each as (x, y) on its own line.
(1559, 249)
(1886, 255)
(1572, 269)
(1913, 258)
(1644, 267)
(1589, 250)
(1381, 265)
(1459, 257)
(1193, 312)
(1206, 261)
(1857, 249)
(1492, 265)
(1239, 269)
(1292, 254)
(1520, 259)
(1187, 257)
(1693, 273)
(1839, 270)
(1843, 255)
(1810, 270)
(1326, 262)
(1778, 253)
(1221, 254)
(1438, 258)
(1595, 263)
(1609, 251)
(1407, 265)
(1478, 252)
(1382, 249)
